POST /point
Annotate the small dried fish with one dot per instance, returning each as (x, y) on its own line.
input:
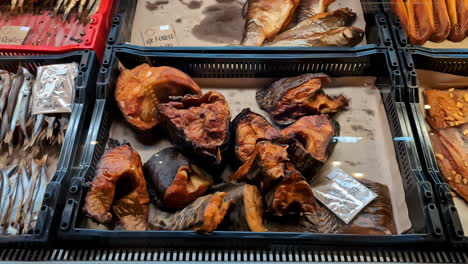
(5, 76)
(50, 126)
(71, 4)
(39, 194)
(25, 113)
(81, 6)
(12, 95)
(28, 197)
(90, 7)
(17, 200)
(38, 123)
(32, 192)
(19, 104)
(13, 4)
(58, 6)
(5, 199)
(62, 128)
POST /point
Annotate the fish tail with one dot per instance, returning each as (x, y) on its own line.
(253, 35)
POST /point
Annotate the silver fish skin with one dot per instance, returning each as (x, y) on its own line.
(19, 103)
(25, 112)
(8, 114)
(39, 196)
(15, 213)
(4, 198)
(338, 37)
(28, 197)
(6, 77)
(32, 192)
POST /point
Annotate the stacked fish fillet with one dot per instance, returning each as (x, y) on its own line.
(434, 20)
(267, 20)
(25, 141)
(85, 8)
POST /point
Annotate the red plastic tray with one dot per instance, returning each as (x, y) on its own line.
(51, 35)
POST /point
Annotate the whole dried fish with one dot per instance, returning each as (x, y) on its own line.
(266, 18)
(6, 78)
(25, 113)
(28, 197)
(17, 200)
(39, 193)
(338, 37)
(34, 186)
(320, 23)
(4, 198)
(310, 8)
(12, 95)
(19, 104)
(38, 123)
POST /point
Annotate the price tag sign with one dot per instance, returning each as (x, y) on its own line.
(13, 35)
(160, 36)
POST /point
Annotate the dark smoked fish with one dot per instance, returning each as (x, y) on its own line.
(310, 8)
(323, 22)
(338, 37)
(266, 18)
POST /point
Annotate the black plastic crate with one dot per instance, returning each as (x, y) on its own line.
(399, 34)
(447, 63)
(419, 195)
(72, 146)
(377, 33)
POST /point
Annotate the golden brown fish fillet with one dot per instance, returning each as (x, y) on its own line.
(337, 37)
(458, 12)
(140, 90)
(441, 20)
(266, 18)
(319, 23)
(399, 8)
(119, 173)
(310, 8)
(448, 108)
(420, 25)
(451, 150)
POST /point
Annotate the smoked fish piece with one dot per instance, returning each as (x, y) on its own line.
(336, 37)
(119, 182)
(458, 12)
(442, 24)
(310, 8)
(266, 18)
(139, 92)
(416, 18)
(451, 150)
(447, 108)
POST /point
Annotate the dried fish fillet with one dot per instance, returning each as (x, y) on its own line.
(266, 18)
(458, 12)
(447, 108)
(442, 24)
(420, 22)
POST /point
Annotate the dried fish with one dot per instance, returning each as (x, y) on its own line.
(50, 126)
(81, 6)
(71, 4)
(15, 209)
(13, 4)
(338, 37)
(58, 6)
(12, 95)
(310, 8)
(28, 197)
(38, 123)
(5, 197)
(25, 112)
(31, 194)
(63, 121)
(6, 78)
(39, 193)
(90, 9)
(19, 103)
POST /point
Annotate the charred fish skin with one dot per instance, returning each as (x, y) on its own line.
(342, 17)
(337, 37)
(177, 181)
(266, 18)
(292, 195)
(303, 138)
(310, 8)
(246, 211)
(247, 128)
(203, 215)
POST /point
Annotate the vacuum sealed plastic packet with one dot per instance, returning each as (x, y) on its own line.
(53, 91)
(342, 194)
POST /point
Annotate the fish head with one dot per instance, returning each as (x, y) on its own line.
(353, 35)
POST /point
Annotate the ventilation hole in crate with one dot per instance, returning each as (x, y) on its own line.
(438, 231)
(428, 194)
(64, 225)
(37, 231)
(70, 201)
(46, 196)
(460, 232)
(432, 207)
(43, 208)
(73, 189)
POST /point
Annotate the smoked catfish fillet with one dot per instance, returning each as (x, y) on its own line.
(458, 12)
(140, 91)
(416, 18)
(451, 150)
(266, 18)
(120, 174)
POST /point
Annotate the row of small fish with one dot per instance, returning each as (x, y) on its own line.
(85, 8)
(266, 20)
(22, 189)
(16, 114)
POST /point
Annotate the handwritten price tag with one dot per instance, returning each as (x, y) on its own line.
(13, 35)
(160, 36)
